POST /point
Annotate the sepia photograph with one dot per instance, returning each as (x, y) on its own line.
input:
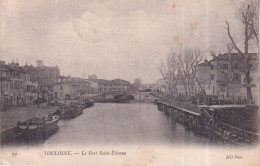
(129, 83)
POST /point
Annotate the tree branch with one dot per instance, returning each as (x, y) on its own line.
(254, 32)
(232, 40)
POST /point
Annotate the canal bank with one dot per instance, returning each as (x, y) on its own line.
(227, 124)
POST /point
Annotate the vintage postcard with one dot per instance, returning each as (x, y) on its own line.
(129, 82)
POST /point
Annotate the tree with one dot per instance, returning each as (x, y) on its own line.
(137, 83)
(248, 14)
(92, 77)
(180, 64)
(188, 60)
(168, 70)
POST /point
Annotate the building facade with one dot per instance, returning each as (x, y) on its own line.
(12, 84)
(31, 85)
(47, 77)
(70, 88)
(23, 85)
(223, 77)
(119, 86)
(113, 86)
(162, 85)
(65, 91)
(93, 86)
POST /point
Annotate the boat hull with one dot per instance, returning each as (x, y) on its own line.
(40, 131)
(71, 113)
(89, 104)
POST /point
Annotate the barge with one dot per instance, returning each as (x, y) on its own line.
(38, 128)
(89, 104)
(228, 124)
(70, 112)
(74, 110)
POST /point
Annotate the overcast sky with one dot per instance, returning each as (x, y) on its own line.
(112, 39)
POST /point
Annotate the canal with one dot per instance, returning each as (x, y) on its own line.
(134, 123)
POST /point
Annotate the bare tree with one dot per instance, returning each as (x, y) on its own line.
(92, 77)
(188, 60)
(180, 65)
(250, 7)
(214, 50)
(249, 17)
(168, 70)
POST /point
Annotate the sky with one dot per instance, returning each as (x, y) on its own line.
(113, 39)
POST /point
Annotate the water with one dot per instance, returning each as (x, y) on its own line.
(109, 123)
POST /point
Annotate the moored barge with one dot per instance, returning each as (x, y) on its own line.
(89, 104)
(228, 124)
(38, 128)
(70, 112)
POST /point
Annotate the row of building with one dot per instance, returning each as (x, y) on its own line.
(20, 85)
(23, 85)
(222, 76)
(70, 87)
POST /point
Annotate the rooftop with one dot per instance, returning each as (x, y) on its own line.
(115, 81)
(234, 56)
(101, 81)
(205, 63)
(120, 82)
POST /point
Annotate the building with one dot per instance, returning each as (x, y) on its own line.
(204, 78)
(113, 86)
(161, 85)
(11, 84)
(104, 86)
(65, 91)
(223, 76)
(31, 85)
(70, 88)
(93, 86)
(119, 86)
(4, 85)
(47, 77)
(84, 87)
(23, 85)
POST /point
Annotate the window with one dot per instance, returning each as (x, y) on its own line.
(225, 66)
(27, 88)
(61, 87)
(212, 76)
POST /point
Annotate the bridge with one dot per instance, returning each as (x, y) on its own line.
(134, 96)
